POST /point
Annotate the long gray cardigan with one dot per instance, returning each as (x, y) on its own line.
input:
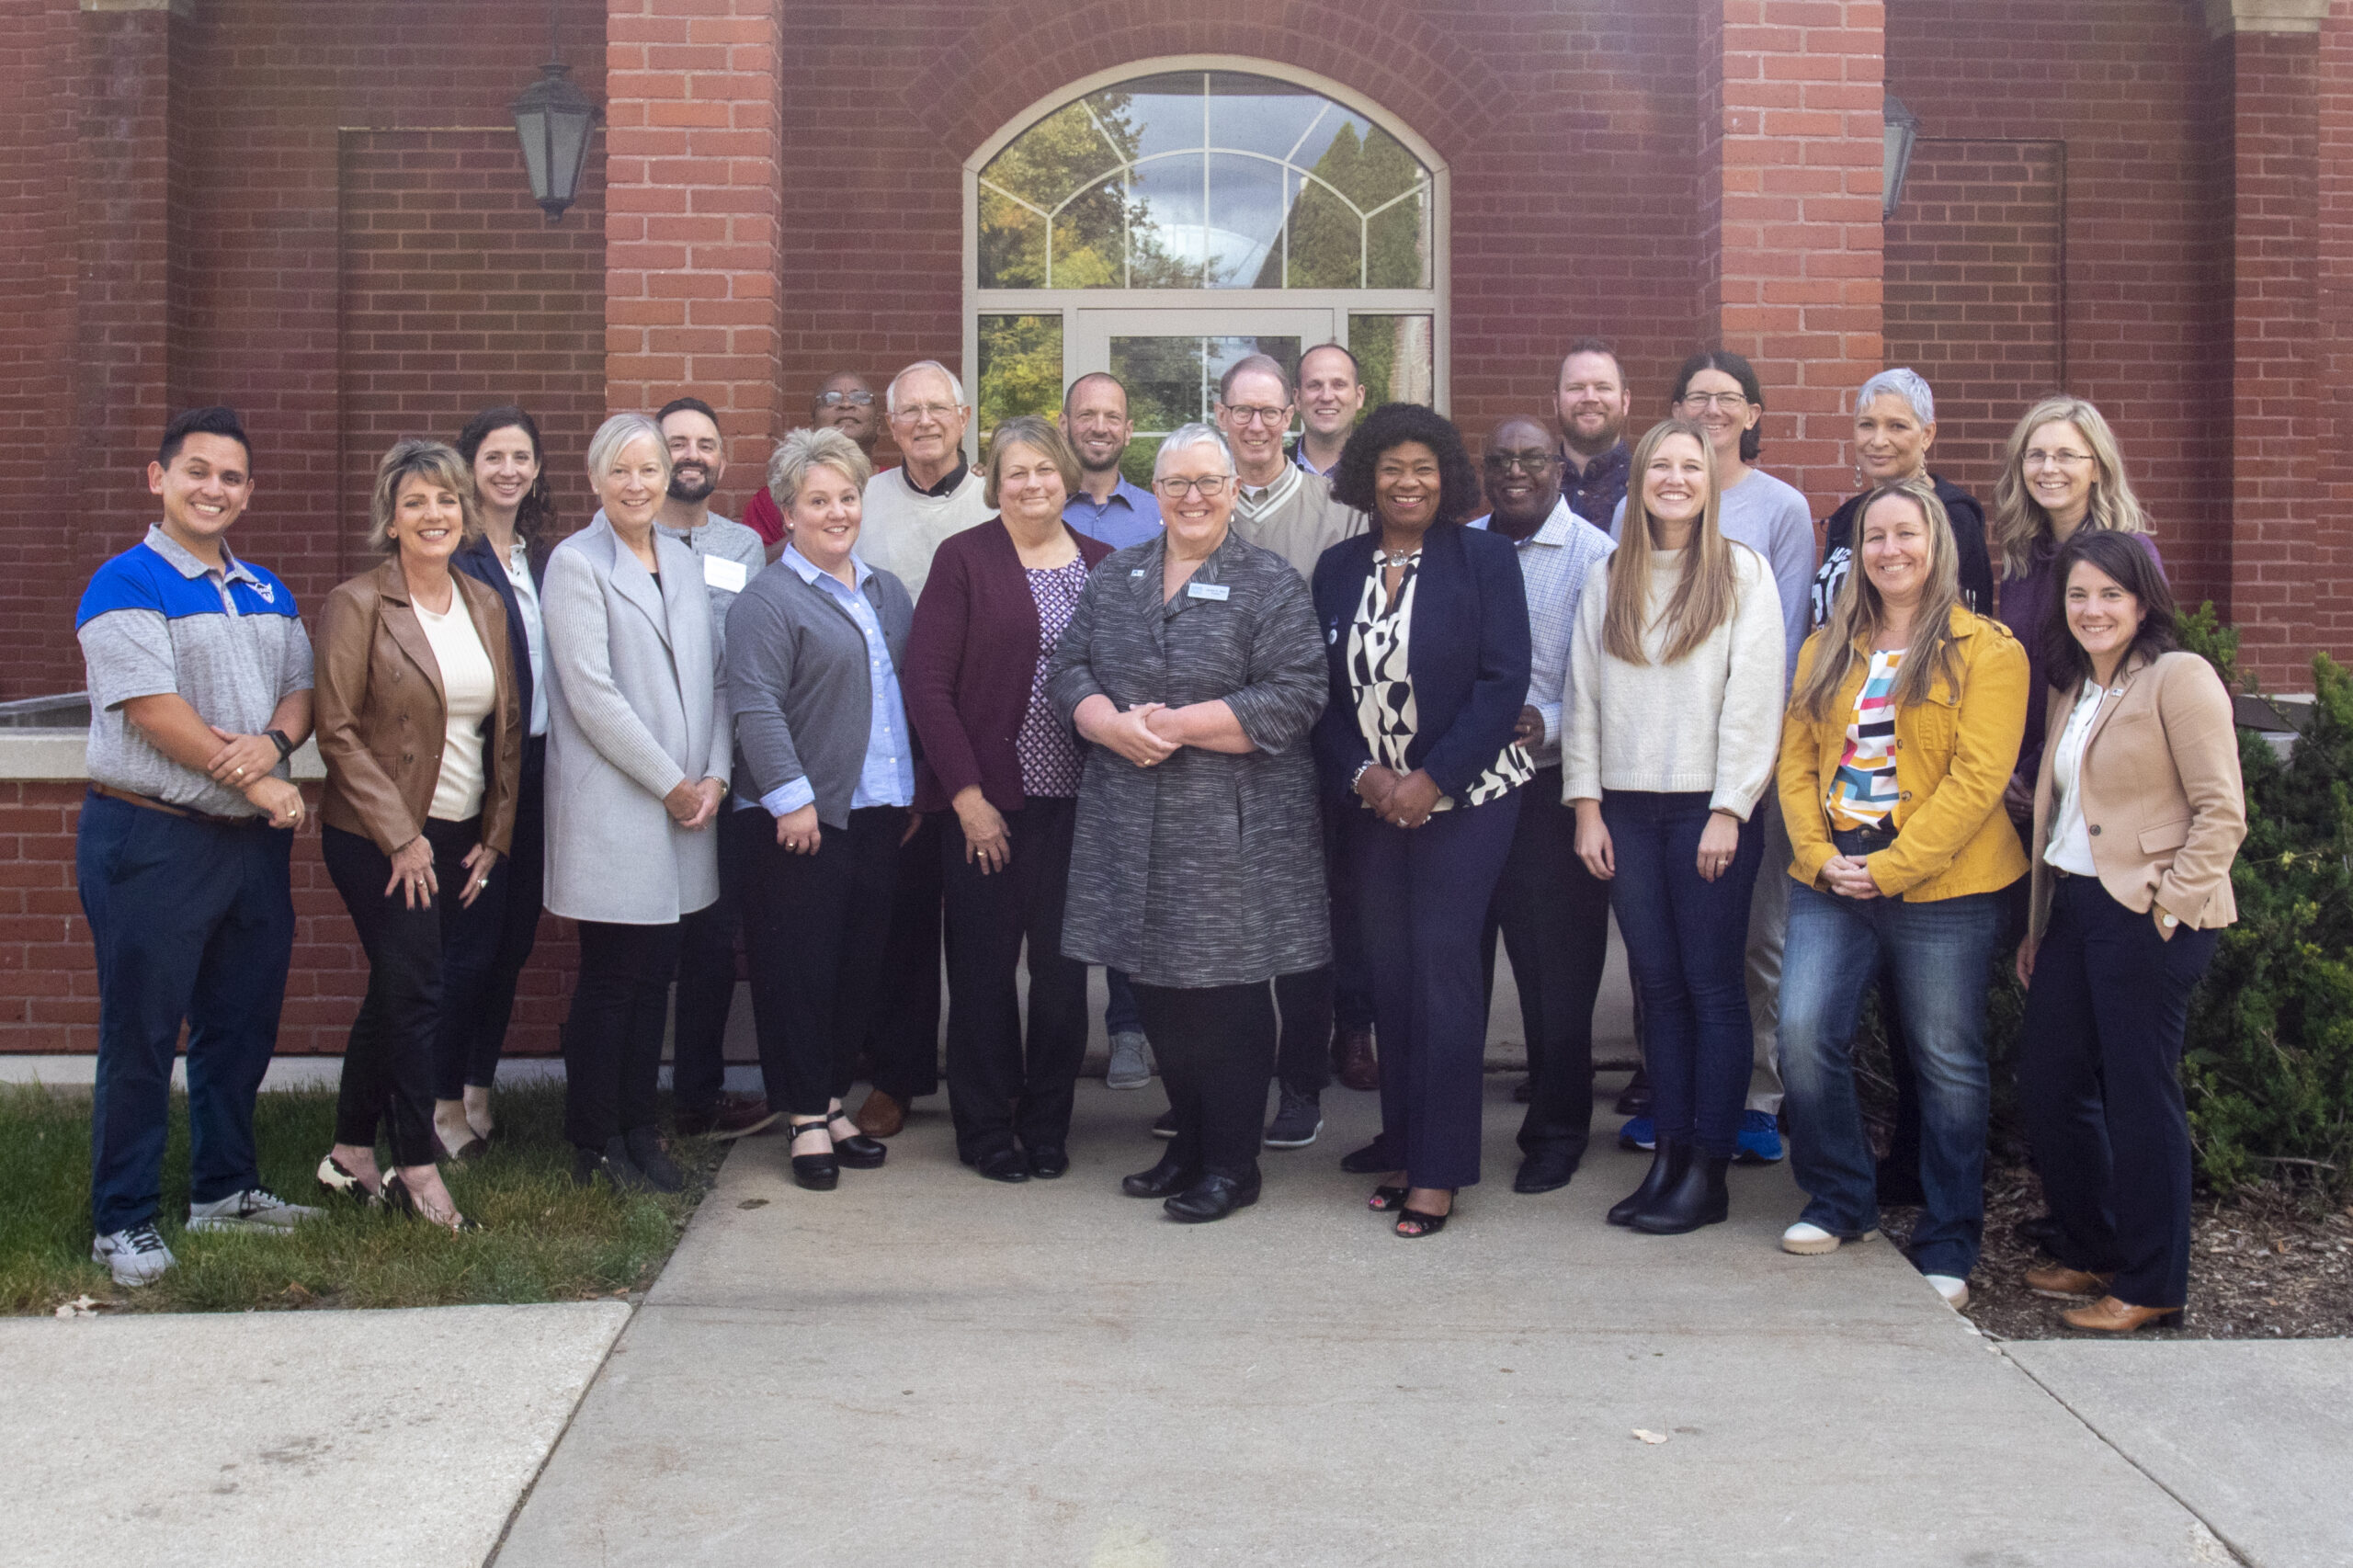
(635, 709)
(1209, 869)
(798, 685)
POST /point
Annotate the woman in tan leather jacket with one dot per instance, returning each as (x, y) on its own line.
(2139, 811)
(421, 732)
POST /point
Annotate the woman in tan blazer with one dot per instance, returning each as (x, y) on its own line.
(2138, 815)
(421, 731)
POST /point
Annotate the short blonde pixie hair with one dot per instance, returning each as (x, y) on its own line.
(433, 461)
(802, 451)
(1041, 436)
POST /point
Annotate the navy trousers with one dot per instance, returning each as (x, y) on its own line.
(193, 921)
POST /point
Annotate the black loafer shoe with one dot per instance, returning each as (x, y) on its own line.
(643, 1146)
(1211, 1198)
(1636, 1098)
(1048, 1161)
(1544, 1171)
(1003, 1164)
(1161, 1181)
(1373, 1159)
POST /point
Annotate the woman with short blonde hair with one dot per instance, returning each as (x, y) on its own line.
(433, 462)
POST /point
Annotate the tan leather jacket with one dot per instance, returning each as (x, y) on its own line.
(380, 718)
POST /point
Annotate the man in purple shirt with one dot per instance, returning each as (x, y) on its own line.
(1105, 506)
(1593, 404)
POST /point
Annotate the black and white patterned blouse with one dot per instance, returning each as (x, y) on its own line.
(1048, 747)
(1380, 648)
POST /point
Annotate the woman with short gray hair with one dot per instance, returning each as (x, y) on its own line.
(638, 761)
(1192, 668)
(1895, 424)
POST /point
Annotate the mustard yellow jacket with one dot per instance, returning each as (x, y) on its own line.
(1953, 757)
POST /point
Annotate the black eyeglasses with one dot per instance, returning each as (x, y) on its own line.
(1526, 462)
(861, 398)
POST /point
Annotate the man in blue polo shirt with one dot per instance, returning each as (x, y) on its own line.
(1107, 506)
(199, 677)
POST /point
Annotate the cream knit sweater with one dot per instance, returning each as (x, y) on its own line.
(1712, 720)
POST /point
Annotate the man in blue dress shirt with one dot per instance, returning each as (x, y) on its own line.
(1095, 417)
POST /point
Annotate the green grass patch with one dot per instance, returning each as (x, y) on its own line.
(545, 1240)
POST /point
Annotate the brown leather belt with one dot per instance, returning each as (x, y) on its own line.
(149, 803)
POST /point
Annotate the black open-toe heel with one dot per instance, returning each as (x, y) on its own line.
(401, 1201)
(818, 1173)
(1385, 1199)
(1430, 1224)
(858, 1151)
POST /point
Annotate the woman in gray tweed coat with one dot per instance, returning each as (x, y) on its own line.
(1193, 666)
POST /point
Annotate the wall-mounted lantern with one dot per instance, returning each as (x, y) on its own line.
(1903, 129)
(553, 117)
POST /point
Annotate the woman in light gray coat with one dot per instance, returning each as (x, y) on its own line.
(638, 754)
(1193, 666)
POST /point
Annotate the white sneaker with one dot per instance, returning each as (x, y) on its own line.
(1954, 1291)
(136, 1256)
(1809, 1241)
(256, 1208)
(1130, 1062)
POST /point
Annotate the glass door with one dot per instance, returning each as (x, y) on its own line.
(1171, 361)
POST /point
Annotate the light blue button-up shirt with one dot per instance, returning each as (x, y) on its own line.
(887, 778)
(1554, 564)
(1129, 514)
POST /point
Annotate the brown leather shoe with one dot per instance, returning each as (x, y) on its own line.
(881, 1116)
(1353, 1062)
(2108, 1315)
(743, 1117)
(2058, 1280)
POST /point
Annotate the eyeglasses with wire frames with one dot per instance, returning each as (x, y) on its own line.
(861, 398)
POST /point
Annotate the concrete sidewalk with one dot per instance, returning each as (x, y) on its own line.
(926, 1368)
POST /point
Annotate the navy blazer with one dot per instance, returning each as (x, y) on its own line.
(1467, 659)
(477, 560)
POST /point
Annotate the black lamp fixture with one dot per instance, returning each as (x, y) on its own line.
(553, 117)
(1902, 129)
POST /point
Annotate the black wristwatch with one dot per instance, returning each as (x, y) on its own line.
(277, 738)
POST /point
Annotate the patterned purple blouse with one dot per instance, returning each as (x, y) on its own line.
(1049, 751)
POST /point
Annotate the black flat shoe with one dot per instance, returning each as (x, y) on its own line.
(1544, 1171)
(1163, 1179)
(1668, 1161)
(1211, 1198)
(587, 1164)
(1048, 1161)
(1003, 1164)
(856, 1152)
(1423, 1224)
(1700, 1198)
(1385, 1199)
(818, 1173)
(1371, 1160)
(643, 1145)
(1635, 1100)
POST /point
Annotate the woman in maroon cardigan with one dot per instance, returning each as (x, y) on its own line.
(995, 604)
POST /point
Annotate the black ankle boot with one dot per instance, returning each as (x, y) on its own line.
(1668, 1161)
(1698, 1198)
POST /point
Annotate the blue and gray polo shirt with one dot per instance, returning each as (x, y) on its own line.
(155, 620)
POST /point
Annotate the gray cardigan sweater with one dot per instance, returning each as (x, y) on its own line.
(798, 687)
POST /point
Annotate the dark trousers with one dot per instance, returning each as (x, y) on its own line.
(707, 970)
(192, 921)
(1307, 1001)
(905, 1025)
(1554, 916)
(2099, 1072)
(1121, 1014)
(424, 965)
(467, 1050)
(1686, 941)
(1351, 971)
(612, 1041)
(1215, 1045)
(1423, 895)
(816, 924)
(998, 1087)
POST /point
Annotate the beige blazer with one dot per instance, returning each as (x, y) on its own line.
(2161, 791)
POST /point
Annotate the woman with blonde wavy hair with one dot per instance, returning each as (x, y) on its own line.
(1669, 718)
(1894, 754)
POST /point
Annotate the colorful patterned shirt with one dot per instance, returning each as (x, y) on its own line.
(1863, 790)
(1051, 765)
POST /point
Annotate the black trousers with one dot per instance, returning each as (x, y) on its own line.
(422, 964)
(999, 1087)
(904, 1026)
(612, 1041)
(816, 924)
(470, 1042)
(1553, 918)
(707, 970)
(2099, 1071)
(1215, 1045)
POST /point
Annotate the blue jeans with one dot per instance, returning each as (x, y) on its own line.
(1686, 938)
(1937, 955)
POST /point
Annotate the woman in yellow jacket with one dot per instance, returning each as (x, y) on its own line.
(1902, 730)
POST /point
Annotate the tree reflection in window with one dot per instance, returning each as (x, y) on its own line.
(1205, 179)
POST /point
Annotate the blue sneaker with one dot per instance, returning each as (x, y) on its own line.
(1760, 1142)
(1640, 1133)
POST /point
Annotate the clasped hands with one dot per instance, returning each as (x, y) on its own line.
(1401, 800)
(247, 763)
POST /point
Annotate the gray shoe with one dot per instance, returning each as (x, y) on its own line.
(256, 1208)
(1131, 1063)
(1297, 1119)
(135, 1256)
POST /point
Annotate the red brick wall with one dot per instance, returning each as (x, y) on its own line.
(2332, 545)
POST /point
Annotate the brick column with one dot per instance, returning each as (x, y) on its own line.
(1790, 193)
(694, 189)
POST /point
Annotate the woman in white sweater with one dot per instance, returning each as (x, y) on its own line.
(1673, 708)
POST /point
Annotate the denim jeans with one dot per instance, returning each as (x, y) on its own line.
(1937, 954)
(1684, 941)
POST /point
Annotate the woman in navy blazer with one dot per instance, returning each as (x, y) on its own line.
(1425, 635)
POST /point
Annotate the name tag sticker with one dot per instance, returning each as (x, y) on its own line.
(1137, 572)
(1217, 591)
(727, 576)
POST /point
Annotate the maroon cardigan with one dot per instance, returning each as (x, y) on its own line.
(971, 657)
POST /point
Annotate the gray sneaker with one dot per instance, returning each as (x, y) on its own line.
(1298, 1119)
(256, 1208)
(136, 1256)
(1131, 1063)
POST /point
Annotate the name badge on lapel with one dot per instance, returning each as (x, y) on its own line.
(1137, 572)
(1216, 591)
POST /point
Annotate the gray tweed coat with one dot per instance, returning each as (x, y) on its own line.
(1209, 869)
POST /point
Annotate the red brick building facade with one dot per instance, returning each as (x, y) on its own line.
(318, 214)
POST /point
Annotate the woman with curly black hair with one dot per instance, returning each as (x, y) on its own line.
(1427, 647)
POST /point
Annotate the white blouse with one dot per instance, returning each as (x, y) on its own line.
(470, 687)
(2071, 842)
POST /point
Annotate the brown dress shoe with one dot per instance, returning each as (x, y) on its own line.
(1353, 1062)
(881, 1116)
(743, 1117)
(2108, 1315)
(2057, 1279)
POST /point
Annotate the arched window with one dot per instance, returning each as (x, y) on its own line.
(1161, 223)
